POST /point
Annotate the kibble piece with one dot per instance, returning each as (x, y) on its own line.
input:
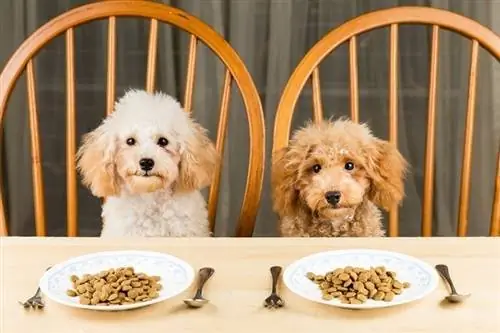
(344, 300)
(133, 293)
(379, 296)
(311, 276)
(103, 296)
(369, 285)
(344, 277)
(324, 285)
(355, 301)
(397, 285)
(357, 285)
(347, 283)
(71, 293)
(372, 293)
(337, 281)
(81, 289)
(365, 292)
(384, 289)
(350, 294)
(363, 277)
(389, 296)
(73, 278)
(84, 300)
(327, 297)
(406, 285)
(319, 278)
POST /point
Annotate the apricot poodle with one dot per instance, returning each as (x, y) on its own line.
(330, 179)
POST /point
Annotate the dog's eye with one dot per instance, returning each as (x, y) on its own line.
(316, 168)
(162, 142)
(131, 141)
(349, 166)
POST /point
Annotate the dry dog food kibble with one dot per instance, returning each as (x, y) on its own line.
(354, 285)
(114, 286)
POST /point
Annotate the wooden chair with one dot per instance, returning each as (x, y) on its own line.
(22, 60)
(347, 32)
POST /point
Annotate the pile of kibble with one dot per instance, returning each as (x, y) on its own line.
(116, 286)
(355, 285)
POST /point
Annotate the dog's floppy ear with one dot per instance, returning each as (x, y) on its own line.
(284, 173)
(386, 168)
(198, 161)
(96, 162)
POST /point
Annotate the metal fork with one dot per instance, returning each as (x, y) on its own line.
(35, 301)
(274, 301)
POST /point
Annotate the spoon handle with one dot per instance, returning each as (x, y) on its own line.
(275, 273)
(204, 274)
(445, 274)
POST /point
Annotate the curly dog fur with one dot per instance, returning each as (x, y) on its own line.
(149, 159)
(330, 179)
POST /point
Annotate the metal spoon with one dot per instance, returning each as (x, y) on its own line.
(454, 297)
(198, 301)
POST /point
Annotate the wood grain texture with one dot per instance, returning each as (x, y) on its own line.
(430, 137)
(213, 194)
(71, 178)
(495, 213)
(36, 153)
(463, 208)
(111, 69)
(242, 281)
(4, 230)
(353, 79)
(152, 52)
(191, 68)
(316, 92)
(393, 114)
(392, 17)
(114, 9)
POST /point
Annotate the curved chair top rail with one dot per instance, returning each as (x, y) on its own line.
(180, 19)
(364, 23)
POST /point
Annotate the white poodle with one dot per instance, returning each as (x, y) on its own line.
(149, 160)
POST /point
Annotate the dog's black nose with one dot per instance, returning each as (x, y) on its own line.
(333, 197)
(146, 164)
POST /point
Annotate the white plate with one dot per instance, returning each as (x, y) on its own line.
(423, 277)
(176, 275)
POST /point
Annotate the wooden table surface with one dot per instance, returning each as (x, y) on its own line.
(242, 281)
